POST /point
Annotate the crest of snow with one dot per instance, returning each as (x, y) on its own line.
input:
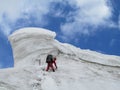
(31, 45)
(24, 32)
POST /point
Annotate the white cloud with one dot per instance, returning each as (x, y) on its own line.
(89, 13)
(14, 8)
(11, 10)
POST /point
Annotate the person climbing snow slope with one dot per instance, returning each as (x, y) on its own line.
(49, 61)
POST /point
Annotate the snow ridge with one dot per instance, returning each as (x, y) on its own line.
(76, 67)
(36, 42)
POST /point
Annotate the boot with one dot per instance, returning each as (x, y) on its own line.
(53, 70)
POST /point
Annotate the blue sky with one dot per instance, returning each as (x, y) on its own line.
(88, 24)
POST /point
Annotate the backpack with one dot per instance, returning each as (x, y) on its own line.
(49, 58)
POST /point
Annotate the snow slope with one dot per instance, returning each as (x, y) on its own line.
(77, 69)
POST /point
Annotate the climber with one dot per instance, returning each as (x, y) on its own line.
(49, 61)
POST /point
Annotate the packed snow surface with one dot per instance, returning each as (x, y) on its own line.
(77, 69)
